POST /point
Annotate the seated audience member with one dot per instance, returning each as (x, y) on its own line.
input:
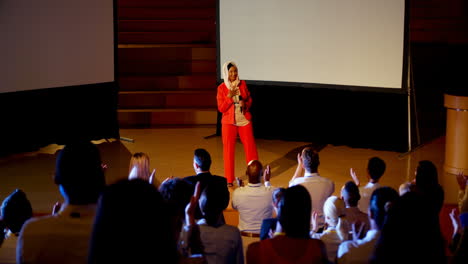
(459, 245)
(140, 168)
(222, 243)
(350, 195)
(132, 226)
(16, 209)
(292, 243)
(269, 224)
(319, 188)
(253, 202)
(337, 229)
(201, 165)
(360, 250)
(64, 237)
(410, 234)
(375, 169)
(427, 185)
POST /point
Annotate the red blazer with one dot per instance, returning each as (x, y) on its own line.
(226, 105)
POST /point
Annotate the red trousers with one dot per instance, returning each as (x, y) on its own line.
(229, 134)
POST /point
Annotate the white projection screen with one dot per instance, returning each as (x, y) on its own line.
(55, 43)
(331, 42)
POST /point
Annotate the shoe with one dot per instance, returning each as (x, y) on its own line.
(230, 184)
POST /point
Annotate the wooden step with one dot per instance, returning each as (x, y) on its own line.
(167, 99)
(167, 67)
(208, 25)
(166, 37)
(167, 3)
(156, 13)
(155, 83)
(152, 54)
(158, 117)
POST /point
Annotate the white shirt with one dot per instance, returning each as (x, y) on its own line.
(331, 239)
(223, 245)
(320, 188)
(254, 203)
(366, 193)
(59, 238)
(358, 251)
(8, 248)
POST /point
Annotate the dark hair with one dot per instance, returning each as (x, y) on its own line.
(254, 171)
(132, 210)
(351, 194)
(294, 211)
(376, 168)
(426, 174)
(212, 203)
(310, 159)
(230, 65)
(177, 193)
(277, 194)
(79, 171)
(16, 209)
(203, 159)
(380, 202)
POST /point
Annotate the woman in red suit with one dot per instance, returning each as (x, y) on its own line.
(234, 103)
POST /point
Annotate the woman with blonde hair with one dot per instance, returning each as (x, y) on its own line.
(139, 168)
(337, 227)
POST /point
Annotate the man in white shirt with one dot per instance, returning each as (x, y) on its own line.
(360, 250)
(319, 188)
(375, 170)
(64, 237)
(254, 202)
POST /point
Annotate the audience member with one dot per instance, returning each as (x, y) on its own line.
(337, 229)
(460, 240)
(360, 250)
(292, 243)
(16, 209)
(132, 226)
(269, 224)
(350, 195)
(254, 202)
(64, 237)
(222, 243)
(410, 234)
(139, 168)
(375, 169)
(320, 188)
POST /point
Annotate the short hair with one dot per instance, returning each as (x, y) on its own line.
(177, 193)
(79, 171)
(202, 158)
(426, 174)
(294, 211)
(380, 202)
(142, 163)
(376, 168)
(310, 159)
(351, 194)
(212, 202)
(16, 209)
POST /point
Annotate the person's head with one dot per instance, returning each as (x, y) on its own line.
(294, 209)
(334, 211)
(132, 210)
(254, 171)
(232, 71)
(376, 168)
(79, 173)
(350, 194)
(177, 193)
(426, 175)
(212, 202)
(16, 209)
(201, 160)
(276, 197)
(139, 166)
(380, 203)
(310, 160)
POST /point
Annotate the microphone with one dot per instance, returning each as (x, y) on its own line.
(240, 99)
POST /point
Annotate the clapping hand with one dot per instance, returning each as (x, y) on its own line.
(354, 176)
(192, 205)
(267, 173)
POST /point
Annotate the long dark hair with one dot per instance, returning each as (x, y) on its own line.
(294, 211)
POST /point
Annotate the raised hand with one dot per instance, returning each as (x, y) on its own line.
(314, 221)
(267, 173)
(151, 177)
(56, 208)
(357, 233)
(461, 180)
(192, 205)
(354, 176)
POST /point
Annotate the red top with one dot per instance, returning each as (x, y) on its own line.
(285, 250)
(226, 105)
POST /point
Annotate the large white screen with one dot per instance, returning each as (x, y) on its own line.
(55, 43)
(336, 42)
